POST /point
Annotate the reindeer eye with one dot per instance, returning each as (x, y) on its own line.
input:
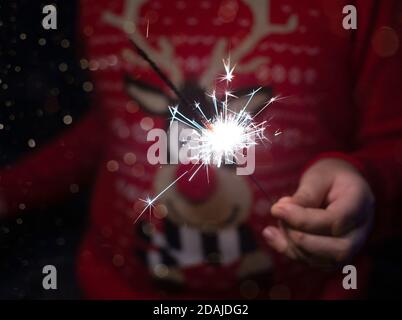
(148, 97)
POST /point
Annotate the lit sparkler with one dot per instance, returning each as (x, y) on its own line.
(225, 137)
(221, 139)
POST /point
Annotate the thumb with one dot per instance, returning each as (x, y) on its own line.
(313, 188)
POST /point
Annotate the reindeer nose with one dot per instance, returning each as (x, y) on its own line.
(201, 186)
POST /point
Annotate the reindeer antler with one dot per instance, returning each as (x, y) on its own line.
(165, 54)
(262, 27)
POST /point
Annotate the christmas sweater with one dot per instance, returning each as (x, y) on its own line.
(203, 238)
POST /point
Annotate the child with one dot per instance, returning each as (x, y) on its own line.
(339, 150)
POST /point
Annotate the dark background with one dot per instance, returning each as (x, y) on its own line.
(37, 98)
(32, 106)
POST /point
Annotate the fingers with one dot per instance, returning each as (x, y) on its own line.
(316, 221)
(314, 249)
(327, 219)
(335, 250)
(312, 189)
(277, 239)
(352, 208)
(320, 237)
(332, 249)
(348, 208)
(336, 220)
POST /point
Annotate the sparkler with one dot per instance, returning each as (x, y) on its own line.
(223, 138)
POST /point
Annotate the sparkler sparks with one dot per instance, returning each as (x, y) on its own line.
(223, 138)
(228, 76)
(150, 201)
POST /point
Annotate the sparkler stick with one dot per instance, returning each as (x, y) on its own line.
(159, 72)
(259, 187)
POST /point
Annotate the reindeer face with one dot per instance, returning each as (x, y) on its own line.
(212, 200)
(224, 201)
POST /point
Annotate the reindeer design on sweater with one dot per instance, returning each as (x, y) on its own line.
(206, 221)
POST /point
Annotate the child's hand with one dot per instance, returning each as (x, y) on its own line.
(328, 219)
